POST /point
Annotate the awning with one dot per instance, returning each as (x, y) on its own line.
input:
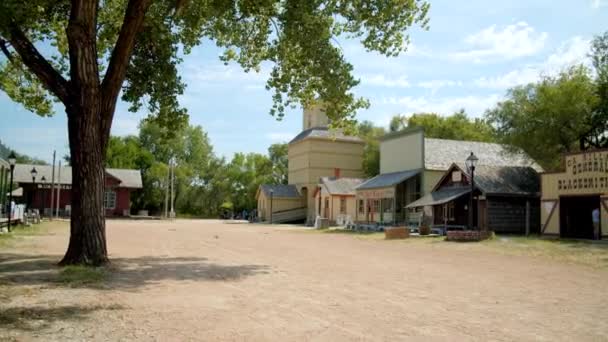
(16, 193)
(387, 179)
(439, 197)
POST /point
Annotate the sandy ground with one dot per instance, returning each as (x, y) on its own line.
(207, 280)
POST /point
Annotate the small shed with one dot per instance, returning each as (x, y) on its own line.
(506, 199)
(335, 199)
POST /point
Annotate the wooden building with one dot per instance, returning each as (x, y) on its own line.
(335, 199)
(120, 183)
(285, 201)
(506, 199)
(315, 153)
(410, 167)
(569, 197)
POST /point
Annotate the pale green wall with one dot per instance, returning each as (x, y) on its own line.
(402, 152)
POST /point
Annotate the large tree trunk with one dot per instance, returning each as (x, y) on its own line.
(87, 227)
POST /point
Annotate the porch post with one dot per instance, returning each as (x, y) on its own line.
(527, 217)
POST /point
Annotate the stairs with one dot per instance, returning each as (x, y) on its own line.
(289, 216)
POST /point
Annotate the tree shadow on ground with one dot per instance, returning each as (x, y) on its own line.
(123, 273)
(34, 318)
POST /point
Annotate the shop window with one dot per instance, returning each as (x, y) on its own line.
(342, 205)
(109, 200)
(375, 206)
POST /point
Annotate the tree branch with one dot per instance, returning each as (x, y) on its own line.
(119, 61)
(4, 49)
(37, 64)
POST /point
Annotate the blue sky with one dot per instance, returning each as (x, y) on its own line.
(473, 52)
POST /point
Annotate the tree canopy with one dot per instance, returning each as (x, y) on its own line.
(549, 118)
(457, 126)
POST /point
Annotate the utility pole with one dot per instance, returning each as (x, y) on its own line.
(172, 187)
(52, 187)
(167, 191)
(58, 188)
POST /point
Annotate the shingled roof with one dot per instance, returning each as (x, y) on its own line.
(507, 180)
(439, 154)
(387, 179)
(280, 190)
(128, 178)
(324, 133)
(341, 186)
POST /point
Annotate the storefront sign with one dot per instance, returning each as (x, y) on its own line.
(376, 193)
(586, 172)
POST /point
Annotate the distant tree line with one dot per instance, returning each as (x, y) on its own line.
(205, 184)
(5, 151)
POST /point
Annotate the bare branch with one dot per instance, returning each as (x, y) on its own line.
(37, 64)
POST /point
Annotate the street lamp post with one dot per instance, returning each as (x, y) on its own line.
(271, 195)
(12, 160)
(470, 162)
(43, 199)
(34, 173)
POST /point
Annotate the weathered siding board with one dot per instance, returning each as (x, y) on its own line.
(506, 215)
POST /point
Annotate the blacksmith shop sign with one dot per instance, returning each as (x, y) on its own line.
(586, 172)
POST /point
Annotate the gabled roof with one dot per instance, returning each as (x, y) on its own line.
(387, 179)
(324, 133)
(127, 178)
(280, 190)
(500, 180)
(341, 186)
(507, 180)
(439, 154)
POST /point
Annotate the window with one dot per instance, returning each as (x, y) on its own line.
(375, 206)
(342, 205)
(361, 206)
(448, 211)
(387, 205)
(109, 200)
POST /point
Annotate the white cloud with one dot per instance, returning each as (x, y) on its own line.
(595, 4)
(280, 136)
(513, 41)
(571, 52)
(384, 81)
(217, 74)
(435, 85)
(474, 105)
(508, 80)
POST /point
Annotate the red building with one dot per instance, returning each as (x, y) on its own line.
(36, 193)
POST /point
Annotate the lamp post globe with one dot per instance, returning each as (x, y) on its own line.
(471, 162)
(12, 160)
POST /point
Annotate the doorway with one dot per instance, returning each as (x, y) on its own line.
(576, 216)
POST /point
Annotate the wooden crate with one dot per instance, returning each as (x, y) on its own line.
(396, 233)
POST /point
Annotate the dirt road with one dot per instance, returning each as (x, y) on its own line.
(207, 281)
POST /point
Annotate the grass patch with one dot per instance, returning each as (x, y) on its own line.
(570, 251)
(78, 275)
(22, 231)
